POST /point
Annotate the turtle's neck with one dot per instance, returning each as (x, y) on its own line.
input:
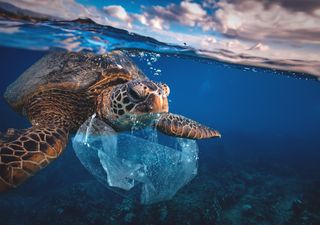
(103, 104)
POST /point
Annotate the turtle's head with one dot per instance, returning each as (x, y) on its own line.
(139, 97)
(142, 103)
(135, 98)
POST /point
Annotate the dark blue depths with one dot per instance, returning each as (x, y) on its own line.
(264, 169)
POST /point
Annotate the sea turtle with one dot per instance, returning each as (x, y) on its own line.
(62, 90)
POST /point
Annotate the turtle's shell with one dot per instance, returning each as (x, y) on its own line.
(67, 70)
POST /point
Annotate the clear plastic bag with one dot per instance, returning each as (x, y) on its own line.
(135, 164)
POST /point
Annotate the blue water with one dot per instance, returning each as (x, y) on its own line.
(264, 170)
(269, 124)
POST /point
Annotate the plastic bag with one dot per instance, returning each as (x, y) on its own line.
(135, 164)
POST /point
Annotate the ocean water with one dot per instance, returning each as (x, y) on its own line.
(264, 170)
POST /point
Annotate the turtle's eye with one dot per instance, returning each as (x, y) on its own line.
(135, 95)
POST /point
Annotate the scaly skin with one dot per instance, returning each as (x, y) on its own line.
(53, 114)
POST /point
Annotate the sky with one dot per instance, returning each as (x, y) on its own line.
(273, 29)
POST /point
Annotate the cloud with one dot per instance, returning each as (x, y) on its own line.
(118, 12)
(307, 6)
(252, 20)
(60, 9)
(186, 13)
(157, 23)
(63, 9)
(154, 22)
(241, 26)
(275, 20)
(208, 41)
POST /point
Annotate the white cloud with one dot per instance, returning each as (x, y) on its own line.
(60, 9)
(157, 23)
(241, 19)
(250, 19)
(249, 25)
(142, 19)
(63, 9)
(208, 42)
(191, 13)
(118, 12)
(186, 13)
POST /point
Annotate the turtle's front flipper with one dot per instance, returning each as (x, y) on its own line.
(32, 150)
(180, 126)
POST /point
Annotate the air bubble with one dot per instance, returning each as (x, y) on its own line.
(150, 59)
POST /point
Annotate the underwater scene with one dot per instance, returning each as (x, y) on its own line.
(183, 112)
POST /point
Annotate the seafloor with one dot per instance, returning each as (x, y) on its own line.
(257, 188)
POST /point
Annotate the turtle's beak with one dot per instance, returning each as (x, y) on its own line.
(157, 103)
(154, 103)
